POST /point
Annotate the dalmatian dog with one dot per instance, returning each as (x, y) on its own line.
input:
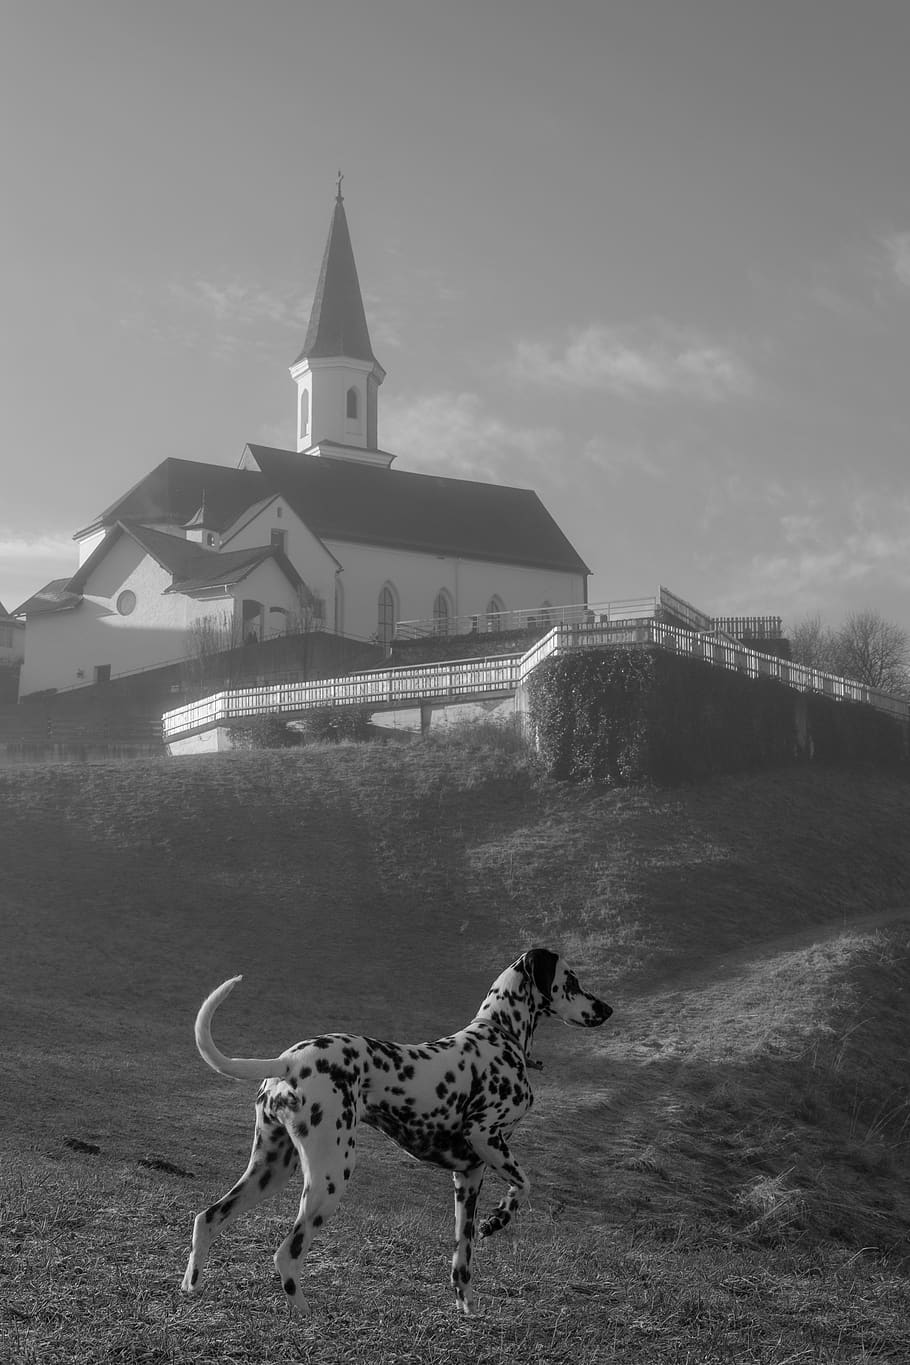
(453, 1103)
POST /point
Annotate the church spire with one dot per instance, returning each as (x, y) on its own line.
(336, 372)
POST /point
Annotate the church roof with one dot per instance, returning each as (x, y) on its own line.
(173, 493)
(339, 500)
(338, 324)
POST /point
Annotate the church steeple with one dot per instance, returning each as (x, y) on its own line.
(336, 373)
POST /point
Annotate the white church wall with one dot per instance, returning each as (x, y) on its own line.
(416, 580)
(305, 551)
(64, 649)
(88, 544)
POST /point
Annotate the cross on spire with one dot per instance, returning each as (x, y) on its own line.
(339, 197)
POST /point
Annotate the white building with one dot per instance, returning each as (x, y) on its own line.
(328, 534)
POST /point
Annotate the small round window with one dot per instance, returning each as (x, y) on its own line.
(126, 602)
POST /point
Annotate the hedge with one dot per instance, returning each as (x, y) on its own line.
(619, 716)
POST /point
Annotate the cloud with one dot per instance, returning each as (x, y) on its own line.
(617, 459)
(897, 250)
(29, 561)
(664, 361)
(453, 434)
(18, 548)
(239, 302)
(868, 544)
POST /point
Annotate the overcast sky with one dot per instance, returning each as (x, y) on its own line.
(648, 257)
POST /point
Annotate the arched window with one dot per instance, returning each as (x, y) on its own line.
(279, 621)
(339, 606)
(353, 404)
(388, 613)
(251, 615)
(304, 411)
(442, 613)
(494, 613)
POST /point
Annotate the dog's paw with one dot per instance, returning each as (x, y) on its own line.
(191, 1282)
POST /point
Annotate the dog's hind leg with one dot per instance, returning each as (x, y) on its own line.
(467, 1188)
(327, 1167)
(273, 1161)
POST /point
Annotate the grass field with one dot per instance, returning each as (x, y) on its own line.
(722, 1173)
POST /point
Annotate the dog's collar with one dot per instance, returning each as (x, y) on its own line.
(501, 1028)
(512, 1037)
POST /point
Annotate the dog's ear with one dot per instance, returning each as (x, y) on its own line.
(539, 965)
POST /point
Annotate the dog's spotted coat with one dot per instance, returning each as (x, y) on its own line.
(454, 1103)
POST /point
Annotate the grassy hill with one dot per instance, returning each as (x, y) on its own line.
(721, 1173)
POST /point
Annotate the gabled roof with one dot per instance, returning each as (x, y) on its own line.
(173, 493)
(338, 324)
(54, 596)
(342, 501)
(193, 567)
(427, 513)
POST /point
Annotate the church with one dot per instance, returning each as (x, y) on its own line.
(325, 537)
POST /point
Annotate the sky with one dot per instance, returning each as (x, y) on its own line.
(650, 258)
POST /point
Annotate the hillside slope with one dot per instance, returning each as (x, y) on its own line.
(752, 934)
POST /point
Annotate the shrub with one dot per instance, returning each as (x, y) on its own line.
(328, 724)
(265, 732)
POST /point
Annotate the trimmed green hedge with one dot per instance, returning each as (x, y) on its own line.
(619, 716)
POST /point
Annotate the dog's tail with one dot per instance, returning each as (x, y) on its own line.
(241, 1068)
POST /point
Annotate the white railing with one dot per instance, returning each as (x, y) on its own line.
(378, 688)
(662, 603)
(713, 649)
(504, 673)
(493, 622)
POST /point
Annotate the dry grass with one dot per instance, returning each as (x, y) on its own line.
(722, 1174)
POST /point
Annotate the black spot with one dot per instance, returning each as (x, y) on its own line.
(195, 1276)
(290, 1287)
(317, 1221)
(296, 1245)
(331, 1187)
(316, 1115)
(264, 1179)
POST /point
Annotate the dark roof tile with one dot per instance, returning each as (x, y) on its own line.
(344, 501)
(422, 512)
(54, 596)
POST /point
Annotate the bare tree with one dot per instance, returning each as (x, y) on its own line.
(209, 651)
(866, 648)
(814, 644)
(875, 651)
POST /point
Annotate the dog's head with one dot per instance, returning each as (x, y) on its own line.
(555, 990)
